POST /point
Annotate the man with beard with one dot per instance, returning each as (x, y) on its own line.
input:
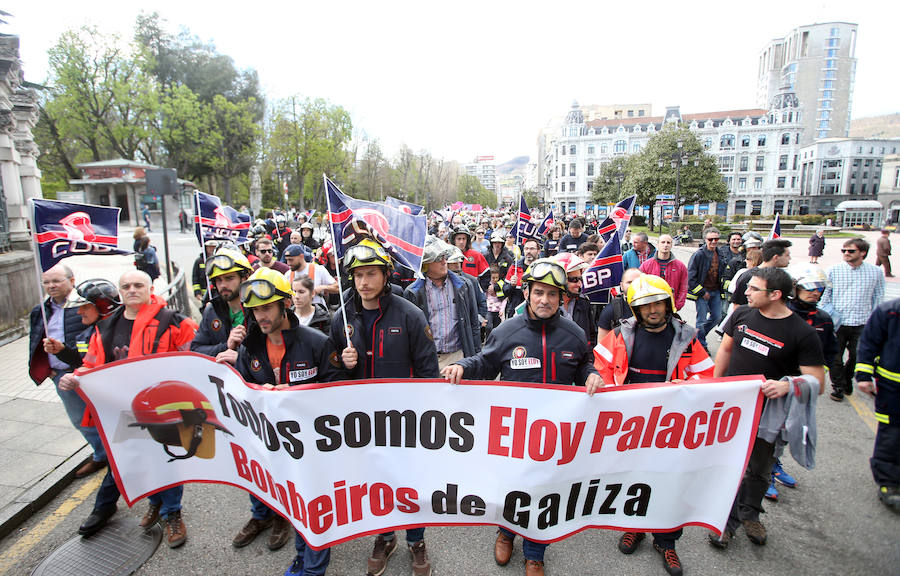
(324, 284)
(265, 252)
(511, 287)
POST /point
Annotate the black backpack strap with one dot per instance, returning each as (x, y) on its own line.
(166, 318)
(618, 311)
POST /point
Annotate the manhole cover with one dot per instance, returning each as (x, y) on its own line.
(117, 550)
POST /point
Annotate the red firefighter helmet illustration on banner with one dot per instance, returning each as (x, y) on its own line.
(177, 414)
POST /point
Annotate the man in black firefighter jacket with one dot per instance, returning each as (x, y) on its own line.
(223, 326)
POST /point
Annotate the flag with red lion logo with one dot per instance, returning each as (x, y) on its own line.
(63, 229)
(216, 221)
(402, 234)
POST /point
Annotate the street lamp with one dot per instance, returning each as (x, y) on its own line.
(678, 159)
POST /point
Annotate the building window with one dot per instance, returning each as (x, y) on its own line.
(636, 147)
(590, 149)
(757, 183)
(830, 75)
(761, 141)
(760, 163)
(631, 113)
(590, 185)
(726, 163)
(572, 149)
(745, 141)
(640, 112)
(742, 184)
(828, 94)
(786, 138)
(590, 169)
(571, 186)
(727, 142)
(782, 162)
(729, 181)
(620, 147)
(826, 105)
(562, 150)
(744, 162)
(740, 207)
(828, 84)
(603, 149)
(779, 206)
(793, 181)
(796, 159)
(707, 143)
(571, 169)
(756, 208)
(782, 180)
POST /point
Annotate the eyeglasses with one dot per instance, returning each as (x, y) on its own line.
(265, 250)
(752, 288)
(716, 239)
(262, 289)
(849, 250)
(574, 279)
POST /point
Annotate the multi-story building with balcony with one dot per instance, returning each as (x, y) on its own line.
(757, 151)
(818, 63)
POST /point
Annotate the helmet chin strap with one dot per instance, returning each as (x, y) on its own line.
(196, 438)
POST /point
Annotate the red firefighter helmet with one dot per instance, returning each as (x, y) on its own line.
(176, 414)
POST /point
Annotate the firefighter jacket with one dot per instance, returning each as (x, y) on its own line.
(402, 345)
(821, 323)
(526, 349)
(215, 326)
(877, 355)
(156, 329)
(687, 358)
(309, 356)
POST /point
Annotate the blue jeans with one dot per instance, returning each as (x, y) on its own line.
(709, 313)
(413, 535)
(259, 509)
(314, 561)
(169, 500)
(530, 549)
(75, 408)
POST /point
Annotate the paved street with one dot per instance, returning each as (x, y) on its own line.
(831, 524)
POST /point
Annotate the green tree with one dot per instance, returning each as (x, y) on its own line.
(238, 136)
(187, 133)
(652, 172)
(470, 190)
(609, 186)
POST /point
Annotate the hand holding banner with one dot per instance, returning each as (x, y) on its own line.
(346, 459)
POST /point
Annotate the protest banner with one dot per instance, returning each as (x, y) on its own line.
(343, 460)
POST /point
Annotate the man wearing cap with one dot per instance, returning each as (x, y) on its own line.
(279, 353)
(142, 326)
(448, 304)
(324, 283)
(630, 354)
(389, 338)
(61, 350)
(543, 333)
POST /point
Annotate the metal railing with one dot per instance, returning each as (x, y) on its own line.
(176, 294)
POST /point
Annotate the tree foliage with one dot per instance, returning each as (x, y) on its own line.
(609, 186)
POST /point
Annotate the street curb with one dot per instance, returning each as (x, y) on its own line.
(45, 490)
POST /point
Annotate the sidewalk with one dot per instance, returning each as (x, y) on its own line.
(39, 448)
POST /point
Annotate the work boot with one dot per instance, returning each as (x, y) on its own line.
(96, 520)
(250, 531)
(380, 554)
(534, 568)
(420, 564)
(890, 495)
(151, 516)
(837, 395)
(721, 542)
(502, 549)
(176, 531)
(670, 560)
(756, 532)
(89, 468)
(630, 541)
(281, 532)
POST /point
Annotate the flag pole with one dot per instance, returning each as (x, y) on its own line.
(338, 264)
(37, 265)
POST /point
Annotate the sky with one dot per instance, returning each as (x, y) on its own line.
(465, 78)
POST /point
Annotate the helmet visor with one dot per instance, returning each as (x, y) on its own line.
(549, 273)
(261, 289)
(221, 262)
(812, 285)
(362, 255)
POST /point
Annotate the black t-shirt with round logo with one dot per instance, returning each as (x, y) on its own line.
(772, 347)
(121, 338)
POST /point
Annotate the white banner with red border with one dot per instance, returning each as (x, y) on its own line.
(347, 459)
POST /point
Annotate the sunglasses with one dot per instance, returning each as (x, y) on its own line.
(849, 250)
(574, 279)
(262, 289)
(265, 250)
(712, 239)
